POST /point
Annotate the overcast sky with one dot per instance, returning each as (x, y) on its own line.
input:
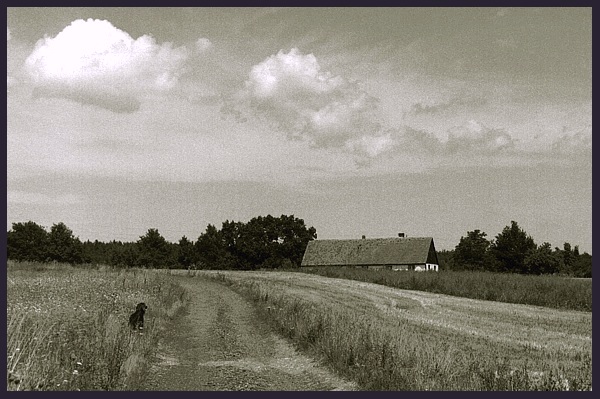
(431, 122)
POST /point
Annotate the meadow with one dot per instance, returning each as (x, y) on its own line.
(548, 291)
(67, 328)
(389, 339)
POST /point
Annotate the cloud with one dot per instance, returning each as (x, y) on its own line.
(474, 136)
(93, 62)
(292, 93)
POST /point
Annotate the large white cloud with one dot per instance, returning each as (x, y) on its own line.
(94, 62)
(290, 91)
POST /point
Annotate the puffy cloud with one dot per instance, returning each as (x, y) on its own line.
(93, 62)
(203, 44)
(290, 91)
(474, 136)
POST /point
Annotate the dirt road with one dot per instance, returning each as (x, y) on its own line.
(218, 344)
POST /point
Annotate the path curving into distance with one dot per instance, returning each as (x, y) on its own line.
(218, 344)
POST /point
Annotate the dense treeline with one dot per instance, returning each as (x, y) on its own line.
(279, 242)
(514, 251)
(263, 242)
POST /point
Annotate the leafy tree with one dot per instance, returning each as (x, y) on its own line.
(63, 246)
(511, 247)
(186, 253)
(542, 260)
(27, 242)
(211, 249)
(123, 254)
(472, 252)
(268, 241)
(446, 259)
(154, 251)
(568, 258)
(582, 267)
(263, 242)
(293, 237)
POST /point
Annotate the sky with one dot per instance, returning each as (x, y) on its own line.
(360, 121)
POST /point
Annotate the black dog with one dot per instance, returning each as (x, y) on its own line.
(136, 320)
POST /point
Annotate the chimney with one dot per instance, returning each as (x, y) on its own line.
(363, 237)
(401, 235)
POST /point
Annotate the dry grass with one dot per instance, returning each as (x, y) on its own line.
(390, 339)
(67, 327)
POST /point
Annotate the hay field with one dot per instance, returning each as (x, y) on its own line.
(392, 339)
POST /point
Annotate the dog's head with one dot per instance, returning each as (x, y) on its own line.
(141, 307)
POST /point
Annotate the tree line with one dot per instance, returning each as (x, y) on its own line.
(263, 242)
(279, 242)
(514, 251)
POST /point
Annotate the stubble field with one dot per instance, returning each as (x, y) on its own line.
(387, 338)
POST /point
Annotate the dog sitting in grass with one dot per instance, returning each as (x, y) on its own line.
(136, 320)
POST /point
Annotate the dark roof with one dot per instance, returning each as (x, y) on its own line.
(374, 251)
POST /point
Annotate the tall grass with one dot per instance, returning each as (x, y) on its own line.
(549, 291)
(67, 327)
(383, 354)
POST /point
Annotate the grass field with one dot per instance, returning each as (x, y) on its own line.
(67, 330)
(390, 339)
(67, 327)
(548, 291)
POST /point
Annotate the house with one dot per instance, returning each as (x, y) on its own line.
(401, 253)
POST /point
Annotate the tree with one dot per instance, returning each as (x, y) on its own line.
(154, 251)
(542, 260)
(472, 252)
(263, 242)
(211, 249)
(511, 247)
(582, 267)
(27, 242)
(186, 253)
(268, 242)
(63, 246)
(123, 254)
(446, 259)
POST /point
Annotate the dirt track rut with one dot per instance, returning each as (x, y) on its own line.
(218, 344)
